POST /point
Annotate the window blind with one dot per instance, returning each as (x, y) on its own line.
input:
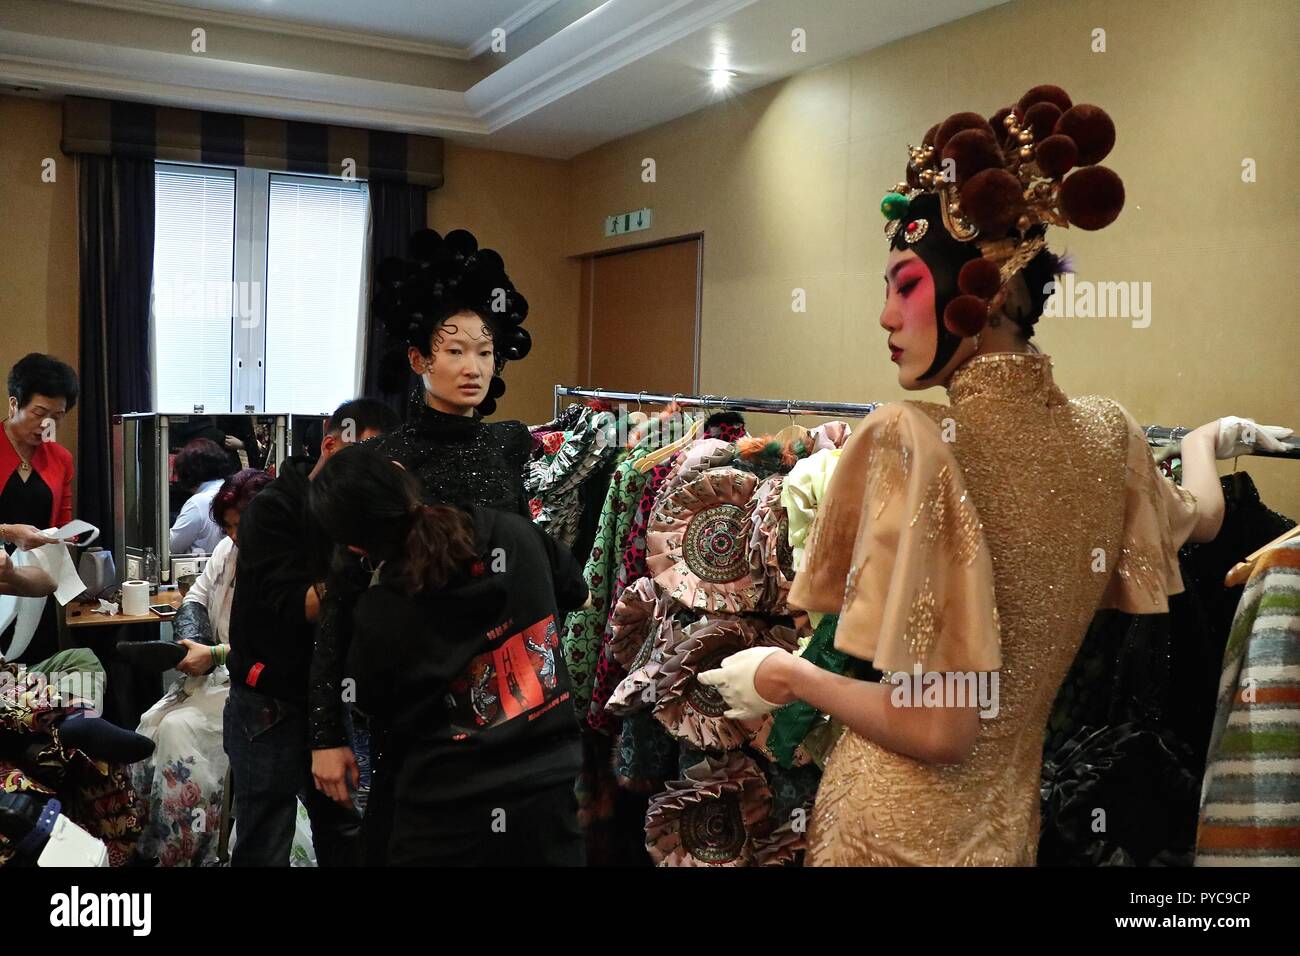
(316, 235)
(194, 243)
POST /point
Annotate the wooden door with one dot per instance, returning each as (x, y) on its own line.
(641, 319)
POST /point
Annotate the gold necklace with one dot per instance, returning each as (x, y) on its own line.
(24, 466)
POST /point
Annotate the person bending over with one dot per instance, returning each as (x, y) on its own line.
(455, 659)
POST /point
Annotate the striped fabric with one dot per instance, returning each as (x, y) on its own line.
(118, 128)
(1250, 802)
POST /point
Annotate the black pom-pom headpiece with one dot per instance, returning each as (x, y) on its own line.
(444, 276)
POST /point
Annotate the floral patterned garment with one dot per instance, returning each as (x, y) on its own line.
(95, 795)
(583, 628)
(608, 673)
(181, 785)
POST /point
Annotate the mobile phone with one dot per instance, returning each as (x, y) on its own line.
(163, 610)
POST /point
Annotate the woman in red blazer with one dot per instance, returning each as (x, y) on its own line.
(36, 471)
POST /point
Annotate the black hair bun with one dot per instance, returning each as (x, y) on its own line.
(444, 276)
(460, 244)
(518, 343)
(486, 261)
(425, 245)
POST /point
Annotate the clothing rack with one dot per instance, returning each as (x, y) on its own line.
(1163, 435)
(1155, 434)
(719, 403)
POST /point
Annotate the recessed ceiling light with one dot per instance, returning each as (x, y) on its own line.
(721, 79)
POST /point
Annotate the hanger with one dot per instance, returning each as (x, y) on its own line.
(638, 417)
(792, 432)
(644, 464)
(1240, 572)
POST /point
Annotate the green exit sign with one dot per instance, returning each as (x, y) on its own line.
(623, 222)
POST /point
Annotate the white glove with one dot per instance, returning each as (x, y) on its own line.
(734, 680)
(1240, 436)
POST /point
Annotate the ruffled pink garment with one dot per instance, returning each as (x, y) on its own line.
(633, 621)
(829, 435)
(712, 817)
(771, 559)
(638, 690)
(698, 541)
(693, 711)
(699, 456)
(782, 846)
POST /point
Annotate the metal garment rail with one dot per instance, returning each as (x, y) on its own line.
(1163, 435)
(718, 403)
(1156, 434)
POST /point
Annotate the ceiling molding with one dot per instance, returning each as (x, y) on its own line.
(245, 21)
(63, 79)
(604, 41)
(600, 43)
(619, 67)
(78, 66)
(516, 21)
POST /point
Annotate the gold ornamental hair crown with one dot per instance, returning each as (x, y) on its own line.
(1001, 181)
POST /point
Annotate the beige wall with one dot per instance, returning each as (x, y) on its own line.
(784, 183)
(38, 241)
(518, 206)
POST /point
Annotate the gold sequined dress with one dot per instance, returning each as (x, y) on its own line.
(979, 536)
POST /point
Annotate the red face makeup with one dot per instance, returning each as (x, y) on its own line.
(908, 316)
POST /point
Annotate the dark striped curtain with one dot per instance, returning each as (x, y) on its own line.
(396, 211)
(115, 241)
(106, 128)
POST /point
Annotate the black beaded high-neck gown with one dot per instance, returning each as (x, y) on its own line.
(462, 460)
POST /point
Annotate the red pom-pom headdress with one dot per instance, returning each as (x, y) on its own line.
(999, 183)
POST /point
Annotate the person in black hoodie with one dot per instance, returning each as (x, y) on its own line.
(272, 629)
(456, 662)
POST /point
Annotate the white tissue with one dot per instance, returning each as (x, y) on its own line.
(55, 561)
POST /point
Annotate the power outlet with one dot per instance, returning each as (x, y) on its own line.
(184, 566)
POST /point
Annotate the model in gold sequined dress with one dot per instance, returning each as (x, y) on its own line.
(1002, 539)
(972, 542)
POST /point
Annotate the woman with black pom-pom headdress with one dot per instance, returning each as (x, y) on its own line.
(453, 318)
(967, 546)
